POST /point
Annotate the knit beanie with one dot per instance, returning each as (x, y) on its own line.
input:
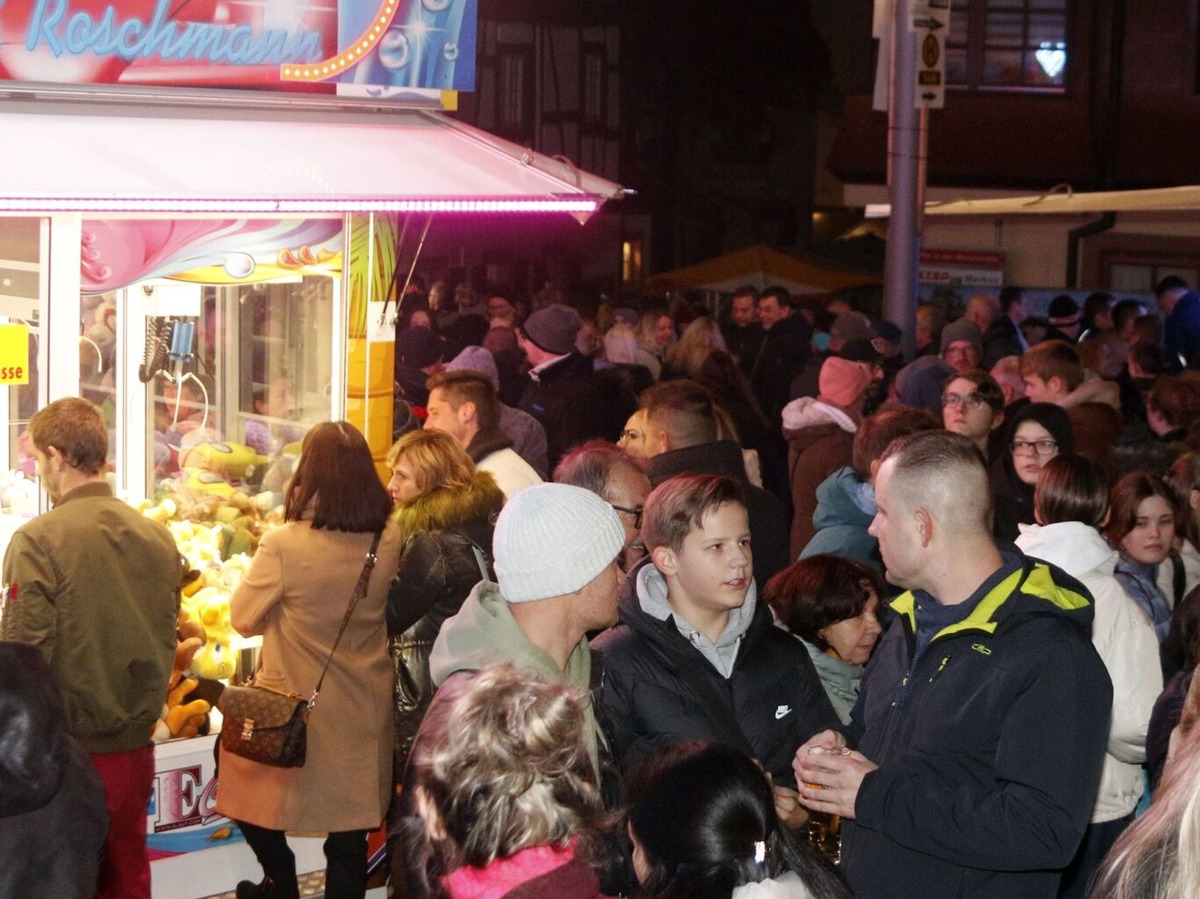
(842, 381)
(851, 326)
(553, 539)
(553, 328)
(476, 359)
(962, 329)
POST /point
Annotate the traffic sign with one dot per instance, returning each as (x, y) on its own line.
(930, 20)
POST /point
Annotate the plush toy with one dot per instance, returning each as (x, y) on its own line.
(215, 660)
(233, 461)
(180, 718)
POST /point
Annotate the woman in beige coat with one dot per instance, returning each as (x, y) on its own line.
(295, 594)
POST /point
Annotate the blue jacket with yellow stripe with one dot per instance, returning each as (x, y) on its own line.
(989, 745)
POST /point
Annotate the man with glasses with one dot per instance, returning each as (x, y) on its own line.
(619, 478)
(973, 405)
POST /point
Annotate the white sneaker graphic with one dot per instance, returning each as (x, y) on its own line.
(782, 711)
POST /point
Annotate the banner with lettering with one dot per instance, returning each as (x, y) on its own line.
(375, 48)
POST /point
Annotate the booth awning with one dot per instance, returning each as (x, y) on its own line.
(1062, 202)
(761, 266)
(73, 156)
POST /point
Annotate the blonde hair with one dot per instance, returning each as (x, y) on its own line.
(699, 339)
(505, 767)
(437, 460)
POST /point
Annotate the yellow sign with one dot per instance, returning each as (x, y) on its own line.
(14, 354)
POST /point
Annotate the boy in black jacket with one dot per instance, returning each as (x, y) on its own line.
(696, 655)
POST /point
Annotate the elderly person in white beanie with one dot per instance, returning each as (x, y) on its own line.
(556, 550)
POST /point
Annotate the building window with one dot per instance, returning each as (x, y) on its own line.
(595, 84)
(514, 86)
(999, 44)
(631, 261)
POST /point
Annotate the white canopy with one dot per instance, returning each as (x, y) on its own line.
(97, 157)
(1063, 200)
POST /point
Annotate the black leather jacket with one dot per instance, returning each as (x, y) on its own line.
(52, 812)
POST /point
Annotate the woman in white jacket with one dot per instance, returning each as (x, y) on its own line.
(1071, 503)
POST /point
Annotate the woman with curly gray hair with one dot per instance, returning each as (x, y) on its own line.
(505, 787)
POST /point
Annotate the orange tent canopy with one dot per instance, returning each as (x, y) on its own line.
(761, 266)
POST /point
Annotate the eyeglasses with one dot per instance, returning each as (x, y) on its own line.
(636, 513)
(1039, 447)
(629, 436)
(970, 401)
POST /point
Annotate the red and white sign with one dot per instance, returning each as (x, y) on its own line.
(961, 268)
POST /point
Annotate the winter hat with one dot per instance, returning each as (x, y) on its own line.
(962, 329)
(859, 351)
(476, 358)
(419, 347)
(1063, 310)
(842, 381)
(888, 331)
(553, 328)
(553, 539)
(851, 326)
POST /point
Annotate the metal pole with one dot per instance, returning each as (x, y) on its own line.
(904, 178)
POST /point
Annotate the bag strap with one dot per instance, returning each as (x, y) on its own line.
(360, 590)
(483, 572)
(1178, 578)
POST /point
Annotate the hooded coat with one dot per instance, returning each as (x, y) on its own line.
(989, 743)
(1124, 638)
(53, 821)
(820, 440)
(845, 509)
(662, 687)
(438, 568)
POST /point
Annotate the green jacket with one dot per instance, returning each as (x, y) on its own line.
(97, 590)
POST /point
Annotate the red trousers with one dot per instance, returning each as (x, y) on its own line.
(128, 778)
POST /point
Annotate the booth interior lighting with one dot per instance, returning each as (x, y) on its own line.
(578, 204)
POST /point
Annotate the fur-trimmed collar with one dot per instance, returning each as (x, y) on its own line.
(486, 442)
(444, 509)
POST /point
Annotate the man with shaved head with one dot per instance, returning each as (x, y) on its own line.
(973, 754)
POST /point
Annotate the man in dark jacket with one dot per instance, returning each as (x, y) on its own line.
(982, 722)
(681, 438)
(696, 655)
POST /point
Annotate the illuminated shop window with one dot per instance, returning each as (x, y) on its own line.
(1015, 44)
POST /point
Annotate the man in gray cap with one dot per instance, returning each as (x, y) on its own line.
(556, 550)
(562, 393)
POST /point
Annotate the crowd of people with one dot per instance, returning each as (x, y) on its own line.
(657, 588)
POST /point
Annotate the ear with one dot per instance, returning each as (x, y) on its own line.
(429, 814)
(924, 525)
(465, 412)
(874, 469)
(664, 560)
(997, 421)
(1057, 385)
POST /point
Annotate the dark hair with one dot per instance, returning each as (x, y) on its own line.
(1071, 488)
(780, 293)
(1009, 296)
(877, 432)
(1097, 303)
(335, 482)
(1052, 417)
(683, 409)
(76, 429)
(1176, 399)
(1183, 478)
(985, 385)
(678, 505)
(1170, 282)
(1125, 310)
(698, 810)
(471, 386)
(590, 465)
(1149, 357)
(821, 590)
(1127, 495)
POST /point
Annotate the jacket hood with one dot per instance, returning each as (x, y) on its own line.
(643, 608)
(444, 508)
(842, 499)
(35, 752)
(809, 412)
(721, 457)
(1033, 588)
(1073, 546)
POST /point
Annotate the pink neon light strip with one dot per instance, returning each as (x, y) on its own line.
(268, 205)
(319, 71)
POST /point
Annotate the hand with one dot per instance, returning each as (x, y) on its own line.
(830, 779)
(826, 739)
(787, 806)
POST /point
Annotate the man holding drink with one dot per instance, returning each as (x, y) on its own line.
(980, 729)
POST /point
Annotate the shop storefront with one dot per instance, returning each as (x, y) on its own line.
(216, 271)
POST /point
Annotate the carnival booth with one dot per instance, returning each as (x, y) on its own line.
(217, 270)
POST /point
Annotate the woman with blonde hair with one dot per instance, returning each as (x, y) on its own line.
(505, 787)
(684, 357)
(655, 332)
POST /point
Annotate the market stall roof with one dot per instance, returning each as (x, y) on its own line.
(762, 266)
(1063, 200)
(97, 157)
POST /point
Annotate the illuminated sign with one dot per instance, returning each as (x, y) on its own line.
(351, 47)
(14, 354)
